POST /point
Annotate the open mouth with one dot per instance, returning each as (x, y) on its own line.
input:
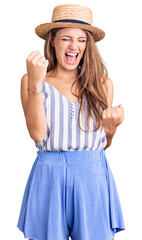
(70, 57)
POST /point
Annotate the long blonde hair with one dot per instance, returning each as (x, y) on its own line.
(91, 74)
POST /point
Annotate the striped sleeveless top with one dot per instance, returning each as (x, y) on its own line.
(63, 132)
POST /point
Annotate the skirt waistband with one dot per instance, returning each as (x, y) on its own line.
(71, 157)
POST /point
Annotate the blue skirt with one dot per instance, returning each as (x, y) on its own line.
(71, 193)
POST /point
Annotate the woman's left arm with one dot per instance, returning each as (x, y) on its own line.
(112, 117)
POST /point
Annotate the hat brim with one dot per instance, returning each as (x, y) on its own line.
(43, 29)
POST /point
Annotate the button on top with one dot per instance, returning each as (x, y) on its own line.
(72, 111)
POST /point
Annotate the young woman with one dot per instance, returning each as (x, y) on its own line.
(67, 101)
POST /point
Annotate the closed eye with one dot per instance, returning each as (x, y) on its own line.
(65, 39)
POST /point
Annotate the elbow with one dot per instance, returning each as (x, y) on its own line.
(37, 135)
(108, 145)
(36, 138)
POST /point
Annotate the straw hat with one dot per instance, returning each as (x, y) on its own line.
(70, 15)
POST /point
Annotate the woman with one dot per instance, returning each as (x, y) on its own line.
(68, 109)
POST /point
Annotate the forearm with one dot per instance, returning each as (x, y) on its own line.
(35, 114)
(109, 139)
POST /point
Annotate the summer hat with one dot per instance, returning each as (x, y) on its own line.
(70, 15)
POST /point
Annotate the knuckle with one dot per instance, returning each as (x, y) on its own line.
(39, 64)
(114, 115)
(42, 58)
(33, 62)
(36, 52)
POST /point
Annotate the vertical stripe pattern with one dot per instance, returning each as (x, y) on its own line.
(63, 132)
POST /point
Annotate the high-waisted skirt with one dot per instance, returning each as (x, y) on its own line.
(71, 193)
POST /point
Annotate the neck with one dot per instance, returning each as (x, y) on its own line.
(65, 76)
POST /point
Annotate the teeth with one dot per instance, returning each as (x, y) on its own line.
(72, 54)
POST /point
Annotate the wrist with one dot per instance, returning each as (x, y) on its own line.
(110, 133)
(109, 138)
(35, 87)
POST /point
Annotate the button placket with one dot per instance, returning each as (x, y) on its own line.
(72, 111)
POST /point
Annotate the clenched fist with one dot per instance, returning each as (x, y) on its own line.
(36, 67)
(112, 117)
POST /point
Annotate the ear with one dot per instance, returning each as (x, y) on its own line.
(52, 40)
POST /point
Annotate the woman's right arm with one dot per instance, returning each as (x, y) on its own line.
(33, 105)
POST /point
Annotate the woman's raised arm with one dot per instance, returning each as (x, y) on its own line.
(112, 116)
(33, 105)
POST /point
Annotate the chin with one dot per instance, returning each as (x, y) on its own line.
(71, 67)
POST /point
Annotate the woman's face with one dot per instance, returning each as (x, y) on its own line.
(69, 44)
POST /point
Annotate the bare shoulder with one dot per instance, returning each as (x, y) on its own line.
(107, 84)
(24, 93)
(106, 81)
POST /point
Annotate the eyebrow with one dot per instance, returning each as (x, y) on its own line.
(70, 36)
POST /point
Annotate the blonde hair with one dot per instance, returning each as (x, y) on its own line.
(92, 73)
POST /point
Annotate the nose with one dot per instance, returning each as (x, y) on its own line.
(73, 45)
